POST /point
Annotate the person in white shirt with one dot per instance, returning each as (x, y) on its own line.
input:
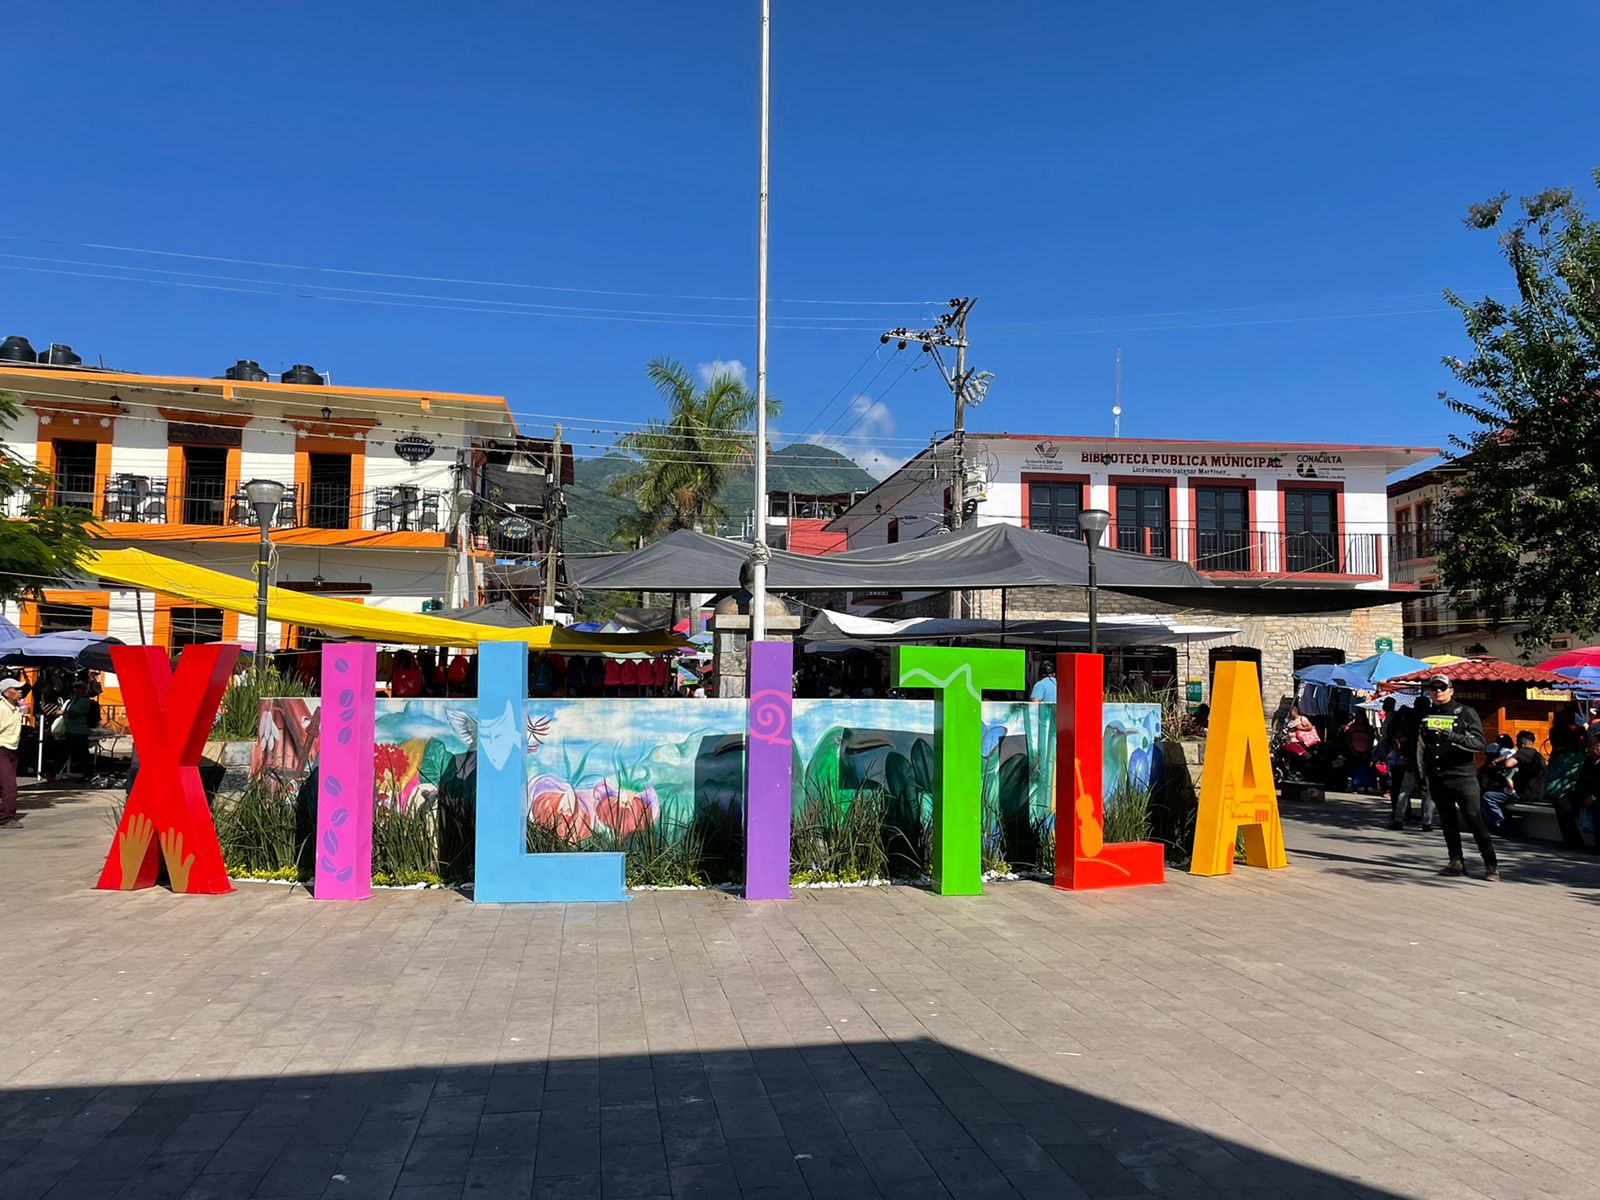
(10, 738)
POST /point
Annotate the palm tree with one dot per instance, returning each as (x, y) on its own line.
(685, 459)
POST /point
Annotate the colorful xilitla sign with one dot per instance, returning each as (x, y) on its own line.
(170, 715)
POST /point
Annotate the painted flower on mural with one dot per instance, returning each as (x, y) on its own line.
(556, 805)
(390, 766)
(623, 810)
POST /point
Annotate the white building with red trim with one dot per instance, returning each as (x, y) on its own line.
(1303, 514)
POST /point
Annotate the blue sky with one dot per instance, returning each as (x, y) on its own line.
(1288, 180)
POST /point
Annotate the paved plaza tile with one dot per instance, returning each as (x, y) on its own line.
(1352, 1027)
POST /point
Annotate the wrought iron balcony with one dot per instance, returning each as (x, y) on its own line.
(1261, 552)
(156, 500)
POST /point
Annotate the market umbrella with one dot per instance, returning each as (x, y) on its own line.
(1443, 660)
(1385, 665)
(1334, 675)
(71, 647)
(75, 647)
(1584, 656)
(1585, 679)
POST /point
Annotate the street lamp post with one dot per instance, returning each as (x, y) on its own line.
(1093, 522)
(264, 496)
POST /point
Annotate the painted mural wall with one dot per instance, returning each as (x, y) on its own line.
(620, 765)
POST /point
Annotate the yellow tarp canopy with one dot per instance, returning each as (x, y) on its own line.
(213, 589)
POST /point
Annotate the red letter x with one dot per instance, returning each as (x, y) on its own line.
(169, 715)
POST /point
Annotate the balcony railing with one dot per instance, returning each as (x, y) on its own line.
(156, 500)
(1411, 544)
(1265, 552)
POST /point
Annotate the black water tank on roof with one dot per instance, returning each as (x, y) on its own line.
(246, 370)
(60, 355)
(17, 349)
(301, 373)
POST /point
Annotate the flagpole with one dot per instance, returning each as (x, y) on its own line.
(758, 549)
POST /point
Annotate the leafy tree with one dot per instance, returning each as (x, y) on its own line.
(1524, 511)
(600, 607)
(686, 458)
(49, 541)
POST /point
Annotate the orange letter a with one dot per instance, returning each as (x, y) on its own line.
(1237, 791)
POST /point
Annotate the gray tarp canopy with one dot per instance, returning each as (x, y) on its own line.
(990, 556)
(502, 614)
(993, 556)
(833, 631)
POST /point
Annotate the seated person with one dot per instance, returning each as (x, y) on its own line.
(1359, 739)
(1497, 780)
(1301, 733)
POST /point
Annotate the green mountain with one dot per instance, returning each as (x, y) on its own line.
(592, 515)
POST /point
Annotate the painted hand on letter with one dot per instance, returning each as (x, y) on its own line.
(133, 845)
(177, 866)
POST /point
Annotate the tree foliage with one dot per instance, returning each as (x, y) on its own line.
(48, 542)
(685, 459)
(1521, 517)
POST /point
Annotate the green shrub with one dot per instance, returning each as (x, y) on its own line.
(1127, 813)
(259, 831)
(838, 836)
(660, 853)
(1174, 804)
(406, 879)
(1045, 838)
(404, 842)
(239, 719)
(281, 875)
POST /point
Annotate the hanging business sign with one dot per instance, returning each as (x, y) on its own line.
(414, 448)
(516, 528)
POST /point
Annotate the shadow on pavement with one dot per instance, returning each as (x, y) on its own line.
(882, 1119)
(1379, 854)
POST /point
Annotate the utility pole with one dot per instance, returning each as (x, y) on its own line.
(968, 387)
(552, 523)
(465, 498)
(759, 554)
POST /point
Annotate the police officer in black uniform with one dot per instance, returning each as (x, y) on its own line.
(1452, 739)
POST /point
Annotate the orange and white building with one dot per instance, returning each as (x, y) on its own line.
(374, 482)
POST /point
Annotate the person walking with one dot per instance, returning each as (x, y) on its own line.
(1412, 782)
(1452, 739)
(10, 737)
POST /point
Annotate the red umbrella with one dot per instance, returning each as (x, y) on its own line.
(1585, 656)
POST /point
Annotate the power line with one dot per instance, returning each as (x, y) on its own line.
(828, 403)
(541, 287)
(445, 440)
(215, 287)
(513, 305)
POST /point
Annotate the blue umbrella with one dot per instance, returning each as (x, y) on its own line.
(1385, 665)
(1584, 679)
(8, 631)
(92, 650)
(1334, 675)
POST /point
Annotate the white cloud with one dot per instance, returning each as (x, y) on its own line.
(869, 418)
(731, 366)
